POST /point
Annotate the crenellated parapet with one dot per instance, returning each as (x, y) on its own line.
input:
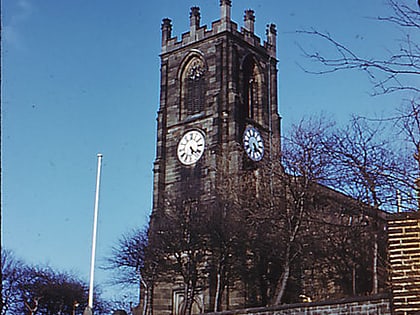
(199, 32)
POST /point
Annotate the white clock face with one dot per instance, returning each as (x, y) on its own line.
(253, 144)
(191, 147)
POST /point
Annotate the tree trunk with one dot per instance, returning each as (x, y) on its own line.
(375, 266)
(353, 279)
(189, 299)
(149, 308)
(281, 284)
(145, 297)
(218, 290)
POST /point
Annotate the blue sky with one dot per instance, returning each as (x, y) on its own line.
(81, 77)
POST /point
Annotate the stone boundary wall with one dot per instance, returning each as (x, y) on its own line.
(366, 305)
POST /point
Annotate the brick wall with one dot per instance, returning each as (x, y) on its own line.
(370, 305)
(404, 258)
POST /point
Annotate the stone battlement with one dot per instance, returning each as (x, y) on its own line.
(198, 33)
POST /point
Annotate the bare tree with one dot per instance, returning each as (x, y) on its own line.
(225, 243)
(306, 164)
(180, 240)
(38, 290)
(294, 222)
(127, 260)
(396, 73)
(12, 271)
(252, 244)
(407, 121)
(45, 291)
(368, 167)
(325, 232)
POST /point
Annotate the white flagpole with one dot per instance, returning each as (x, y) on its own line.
(95, 227)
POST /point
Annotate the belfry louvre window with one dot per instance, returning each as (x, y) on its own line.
(194, 85)
(195, 98)
(251, 95)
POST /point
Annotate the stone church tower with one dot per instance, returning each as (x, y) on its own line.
(217, 119)
(218, 89)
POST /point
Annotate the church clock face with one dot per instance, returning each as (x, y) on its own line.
(253, 144)
(191, 147)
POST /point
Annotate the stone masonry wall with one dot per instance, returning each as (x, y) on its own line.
(370, 305)
(404, 259)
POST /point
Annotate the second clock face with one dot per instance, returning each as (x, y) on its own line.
(191, 147)
(253, 144)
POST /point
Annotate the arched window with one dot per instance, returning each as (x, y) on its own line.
(251, 94)
(193, 86)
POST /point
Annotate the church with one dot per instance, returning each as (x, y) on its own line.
(226, 231)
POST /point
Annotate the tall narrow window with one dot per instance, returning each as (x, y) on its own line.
(251, 93)
(251, 84)
(194, 84)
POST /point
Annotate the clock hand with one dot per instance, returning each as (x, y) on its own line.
(255, 147)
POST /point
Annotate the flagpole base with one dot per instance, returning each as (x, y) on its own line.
(88, 311)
